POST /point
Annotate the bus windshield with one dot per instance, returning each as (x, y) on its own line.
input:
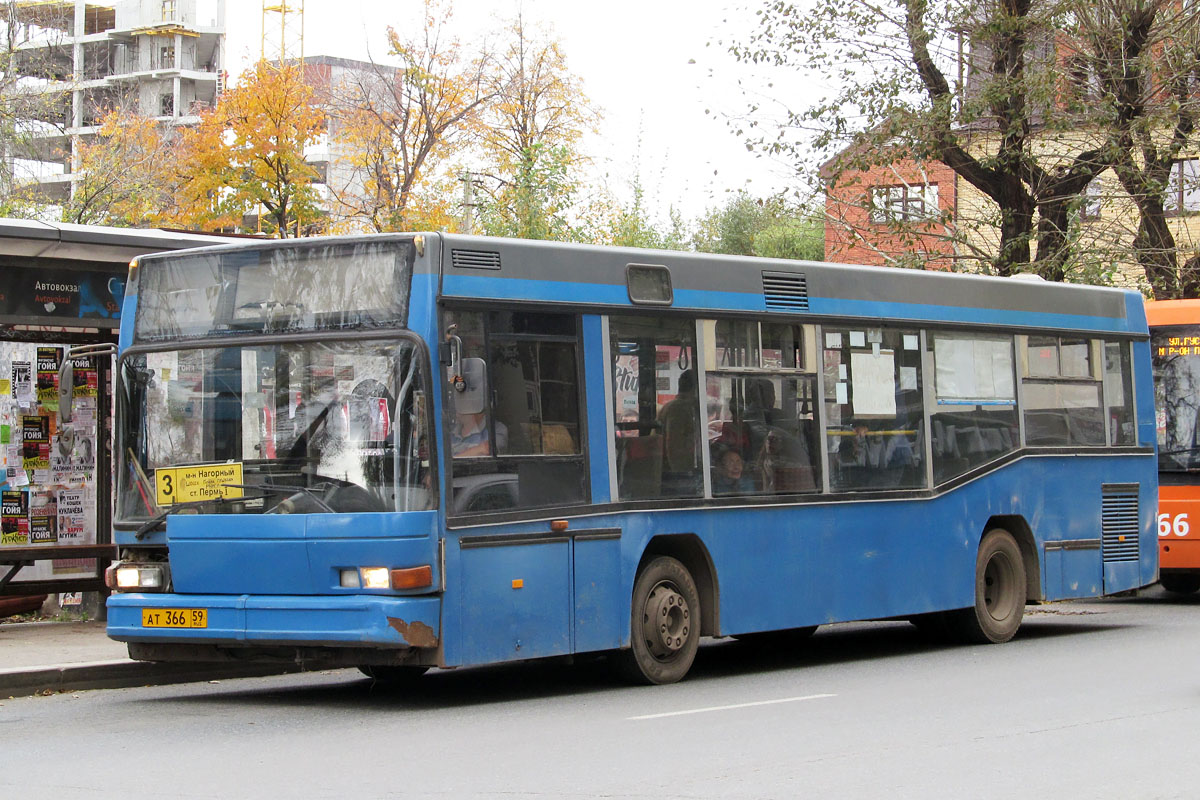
(282, 427)
(273, 288)
(1176, 357)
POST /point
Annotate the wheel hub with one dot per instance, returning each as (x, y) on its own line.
(999, 587)
(667, 620)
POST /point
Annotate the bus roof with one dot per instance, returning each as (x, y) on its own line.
(499, 269)
(1173, 312)
(476, 268)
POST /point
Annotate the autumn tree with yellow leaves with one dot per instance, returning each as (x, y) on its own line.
(247, 155)
(125, 175)
(535, 124)
(401, 126)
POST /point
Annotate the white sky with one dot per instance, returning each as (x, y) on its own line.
(633, 57)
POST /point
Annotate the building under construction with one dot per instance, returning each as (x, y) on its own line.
(72, 61)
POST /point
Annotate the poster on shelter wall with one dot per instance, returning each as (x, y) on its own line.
(14, 518)
(73, 517)
(35, 440)
(48, 361)
(22, 382)
(43, 518)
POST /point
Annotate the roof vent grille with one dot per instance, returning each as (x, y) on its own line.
(785, 290)
(474, 259)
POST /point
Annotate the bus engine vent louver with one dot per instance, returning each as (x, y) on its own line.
(787, 291)
(1119, 522)
(474, 259)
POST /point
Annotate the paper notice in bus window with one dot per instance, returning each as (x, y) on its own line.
(842, 393)
(974, 369)
(833, 341)
(874, 381)
(911, 341)
(201, 482)
(858, 339)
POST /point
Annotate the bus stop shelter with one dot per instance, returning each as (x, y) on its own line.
(61, 286)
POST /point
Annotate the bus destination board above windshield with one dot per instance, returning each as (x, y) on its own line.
(203, 482)
(1178, 346)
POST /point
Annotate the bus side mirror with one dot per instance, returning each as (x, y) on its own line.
(66, 374)
(470, 393)
(66, 389)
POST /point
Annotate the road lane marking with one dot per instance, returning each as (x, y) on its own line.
(731, 707)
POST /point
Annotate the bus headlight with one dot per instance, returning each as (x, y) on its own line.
(385, 578)
(135, 577)
(376, 578)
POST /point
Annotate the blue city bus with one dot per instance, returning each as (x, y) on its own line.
(410, 451)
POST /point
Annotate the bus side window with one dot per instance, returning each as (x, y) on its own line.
(874, 408)
(975, 417)
(1061, 391)
(524, 450)
(1118, 394)
(761, 405)
(656, 405)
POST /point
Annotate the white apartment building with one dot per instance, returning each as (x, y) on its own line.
(160, 58)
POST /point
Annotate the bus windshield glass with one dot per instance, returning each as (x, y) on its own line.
(281, 427)
(273, 288)
(1175, 353)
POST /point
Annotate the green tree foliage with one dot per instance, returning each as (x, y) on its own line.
(979, 86)
(769, 228)
(632, 226)
(534, 178)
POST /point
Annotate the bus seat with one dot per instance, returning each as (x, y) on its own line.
(557, 440)
(794, 479)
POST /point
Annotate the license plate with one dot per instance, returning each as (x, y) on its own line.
(174, 617)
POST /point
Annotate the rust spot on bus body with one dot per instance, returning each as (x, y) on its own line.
(417, 634)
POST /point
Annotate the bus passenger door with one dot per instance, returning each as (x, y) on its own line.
(515, 597)
(517, 458)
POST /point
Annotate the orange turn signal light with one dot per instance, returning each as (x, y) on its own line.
(559, 525)
(412, 577)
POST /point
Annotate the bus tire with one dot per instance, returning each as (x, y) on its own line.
(664, 624)
(393, 674)
(999, 593)
(1186, 583)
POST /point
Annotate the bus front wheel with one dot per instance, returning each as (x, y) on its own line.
(664, 623)
(999, 593)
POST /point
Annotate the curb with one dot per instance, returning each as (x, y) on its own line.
(124, 674)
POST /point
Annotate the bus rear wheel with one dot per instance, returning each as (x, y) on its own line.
(664, 624)
(1180, 583)
(999, 593)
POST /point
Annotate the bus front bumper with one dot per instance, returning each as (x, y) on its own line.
(367, 621)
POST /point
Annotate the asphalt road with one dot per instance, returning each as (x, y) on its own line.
(1091, 700)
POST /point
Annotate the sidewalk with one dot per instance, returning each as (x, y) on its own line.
(40, 657)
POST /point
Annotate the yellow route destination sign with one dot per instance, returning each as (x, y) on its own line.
(189, 484)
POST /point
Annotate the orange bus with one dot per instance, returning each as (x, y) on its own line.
(1175, 354)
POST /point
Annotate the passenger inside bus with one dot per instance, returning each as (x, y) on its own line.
(681, 462)
(470, 436)
(729, 475)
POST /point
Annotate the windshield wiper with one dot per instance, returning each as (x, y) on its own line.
(279, 488)
(158, 518)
